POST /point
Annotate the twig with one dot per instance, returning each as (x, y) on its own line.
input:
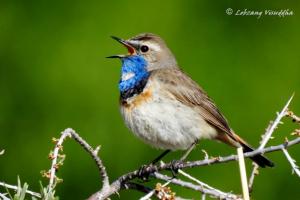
(252, 176)
(292, 162)
(278, 119)
(199, 188)
(3, 197)
(266, 137)
(94, 154)
(124, 182)
(232, 157)
(13, 187)
(274, 125)
(54, 157)
(255, 169)
(206, 156)
(243, 173)
(204, 185)
(294, 117)
(117, 184)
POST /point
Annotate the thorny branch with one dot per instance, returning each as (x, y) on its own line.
(201, 188)
(292, 162)
(254, 173)
(126, 181)
(55, 155)
(217, 193)
(268, 135)
(94, 154)
(3, 197)
(13, 187)
(117, 185)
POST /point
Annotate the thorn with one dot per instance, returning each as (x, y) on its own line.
(286, 141)
(296, 132)
(216, 158)
(126, 186)
(289, 112)
(51, 156)
(255, 167)
(118, 194)
(60, 147)
(206, 157)
(58, 180)
(68, 132)
(45, 174)
(62, 156)
(97, 149)
(56, 166)
(54, 140)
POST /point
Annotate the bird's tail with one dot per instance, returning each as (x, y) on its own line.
(258, 159)
(234, 140)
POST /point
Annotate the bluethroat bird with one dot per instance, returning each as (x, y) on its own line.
(163, 106)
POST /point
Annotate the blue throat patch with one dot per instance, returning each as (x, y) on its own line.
(135, 68)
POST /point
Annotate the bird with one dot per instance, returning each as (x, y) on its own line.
(163, 106)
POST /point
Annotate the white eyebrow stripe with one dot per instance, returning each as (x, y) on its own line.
(155, 47)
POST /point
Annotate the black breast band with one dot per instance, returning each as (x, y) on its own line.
(137, 89)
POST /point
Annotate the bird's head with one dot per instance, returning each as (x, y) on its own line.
(150, 48)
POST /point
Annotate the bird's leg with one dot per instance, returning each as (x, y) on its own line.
(188, 151)
(144, 170)
(175, 163)
(160, 157)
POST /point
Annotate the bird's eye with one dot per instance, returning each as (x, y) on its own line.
(144, 48)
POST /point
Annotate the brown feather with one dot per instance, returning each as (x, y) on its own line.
(184, 89)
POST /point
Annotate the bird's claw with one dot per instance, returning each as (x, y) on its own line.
(145, 171)
(175, 165)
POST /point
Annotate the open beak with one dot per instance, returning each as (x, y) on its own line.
(130, 47)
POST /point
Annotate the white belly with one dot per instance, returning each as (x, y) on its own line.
(166, 123)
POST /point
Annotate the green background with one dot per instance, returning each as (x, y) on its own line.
(54, 75)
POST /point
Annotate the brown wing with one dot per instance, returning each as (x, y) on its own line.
(187, 91)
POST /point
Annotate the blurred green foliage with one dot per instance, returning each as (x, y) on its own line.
(53, 75)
